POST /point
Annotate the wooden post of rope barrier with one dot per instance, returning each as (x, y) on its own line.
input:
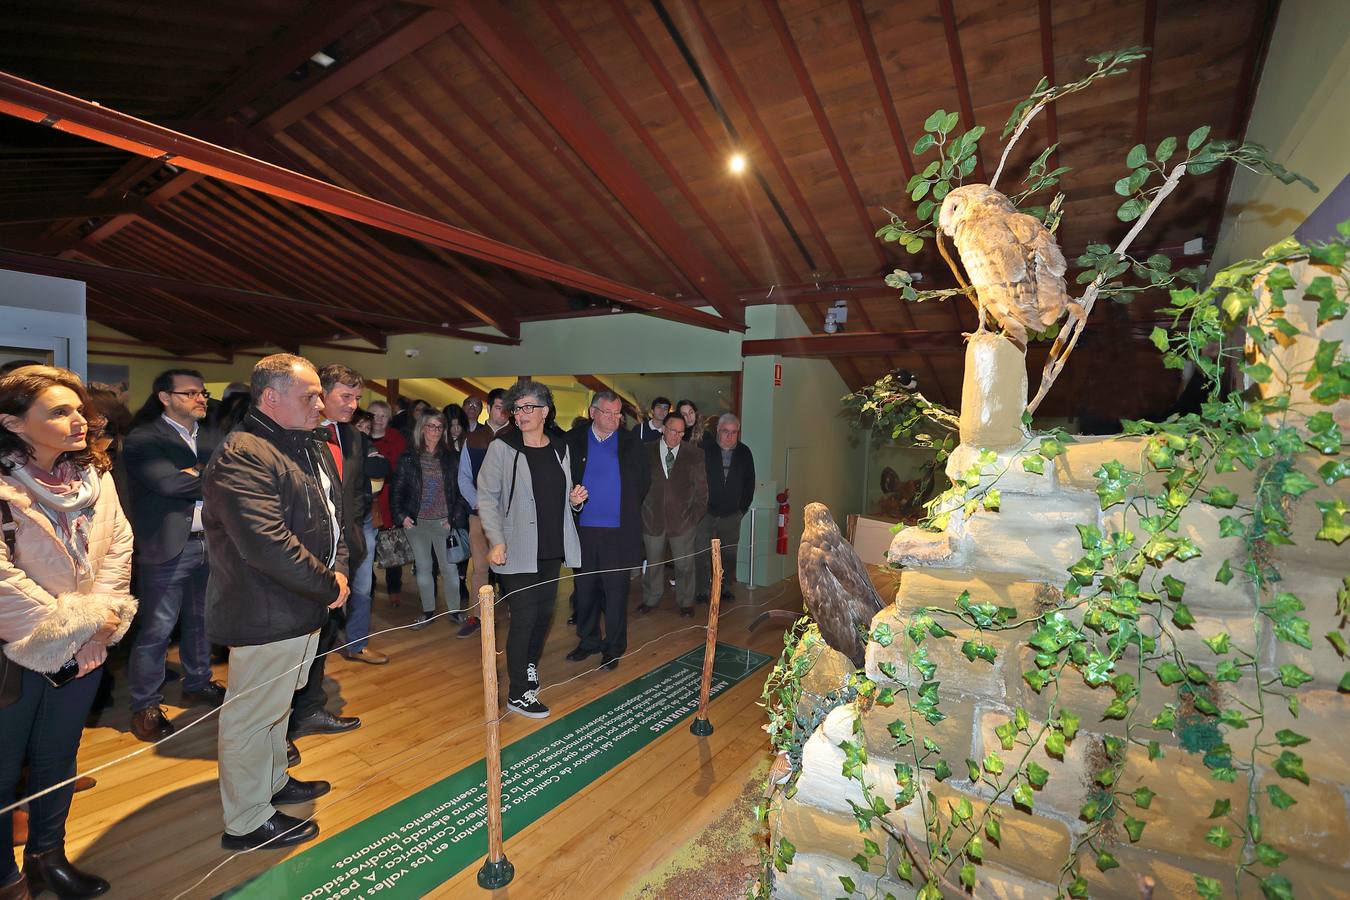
(497, 872)
(701, 726)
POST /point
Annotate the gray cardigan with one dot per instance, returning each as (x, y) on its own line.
(515, 525)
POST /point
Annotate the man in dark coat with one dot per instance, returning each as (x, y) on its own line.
(671, 514)
(731, 487)
(350, 450)
(611, 464)
(273, 512)
(162, 460)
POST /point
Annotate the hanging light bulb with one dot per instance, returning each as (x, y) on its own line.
(737, 164)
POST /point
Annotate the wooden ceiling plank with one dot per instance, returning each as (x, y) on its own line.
(1051, 114)
(46, 210)
(691, 119)
(465, 387)
(1149, 40)
(766, 142)
(521, 163)
(949, 26)
(499, 178)
(886, 101)
(550, 143)
(500, 37)
(644, 134)
(35, 103)
(812, 98)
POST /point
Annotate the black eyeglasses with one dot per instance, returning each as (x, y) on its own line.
(192, 395)
(527, 407)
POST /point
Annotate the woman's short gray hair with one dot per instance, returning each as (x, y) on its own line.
(526, 388)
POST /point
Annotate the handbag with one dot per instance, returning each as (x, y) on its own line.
(392, 548)
(457, 545)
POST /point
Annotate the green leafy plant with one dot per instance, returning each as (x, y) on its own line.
(1119, 622)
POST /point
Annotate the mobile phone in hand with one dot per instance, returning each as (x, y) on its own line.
(63, 675)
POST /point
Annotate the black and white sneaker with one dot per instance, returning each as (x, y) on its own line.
(532, 676)
(421, 622)
(528, 704)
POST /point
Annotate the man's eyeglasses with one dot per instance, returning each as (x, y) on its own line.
(527, 407)
(606, 412)
(192, 395)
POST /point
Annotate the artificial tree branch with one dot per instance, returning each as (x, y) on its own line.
(1018, 132)
(1068, 339)
(960, 279)
(921, 859)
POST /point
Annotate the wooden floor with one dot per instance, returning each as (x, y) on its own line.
(152, 825)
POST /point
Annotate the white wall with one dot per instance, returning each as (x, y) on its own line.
(46, 314)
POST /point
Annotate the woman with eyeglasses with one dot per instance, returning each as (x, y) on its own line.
(424, 498)
(525, 500)
(65, 571)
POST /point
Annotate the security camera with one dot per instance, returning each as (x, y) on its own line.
(480, 348)
(412, 352)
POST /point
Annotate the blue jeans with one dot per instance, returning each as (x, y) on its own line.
(358, 604)
(169, 591)
(42, 728)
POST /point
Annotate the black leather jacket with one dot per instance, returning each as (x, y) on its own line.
(269, 534)
(405, 493)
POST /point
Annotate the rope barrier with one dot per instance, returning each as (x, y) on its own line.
(183, 729)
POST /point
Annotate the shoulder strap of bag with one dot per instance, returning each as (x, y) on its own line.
(10, 529)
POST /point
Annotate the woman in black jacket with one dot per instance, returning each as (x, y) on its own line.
(424, 498)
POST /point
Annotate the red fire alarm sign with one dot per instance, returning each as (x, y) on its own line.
(777, 374)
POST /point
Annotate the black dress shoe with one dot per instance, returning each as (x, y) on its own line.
(572, 619)
(150, 725)
(279, 831)
(212, 695)
(686, 612)
(51, 871)
(292, 754)
(581, 653)
(702, 598)
(16, 889)
(643, 609)
(610, 664)
(321, 722)
(297, 791)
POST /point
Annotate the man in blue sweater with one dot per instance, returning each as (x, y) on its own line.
(610, 463)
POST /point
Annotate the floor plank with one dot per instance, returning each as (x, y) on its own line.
(152, 825)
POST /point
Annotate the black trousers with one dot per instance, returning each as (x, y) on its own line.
(530, 596)
(311, 698)
(42, 727)
(602, 593)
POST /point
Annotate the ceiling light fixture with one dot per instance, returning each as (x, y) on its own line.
(320, 58)
(736, 165)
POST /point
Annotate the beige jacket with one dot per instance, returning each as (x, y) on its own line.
(47, 612)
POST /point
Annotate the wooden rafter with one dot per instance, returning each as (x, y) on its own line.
(500, 37)
(1051, 114)
(886, 101)
(1146, 70)
(949, 26)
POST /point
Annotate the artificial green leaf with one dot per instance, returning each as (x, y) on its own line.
(1258, 372)
(968, 875)
(1296, 483)
(1219, 837)
(1037, 775)
(1289, 738)
(1166, 148)
(1134, 827)
(1225, 573)
(1292, 676)
(1106, 862)
(1208, 888)
(934, 120)
(1022, 796)
(1279, 798)
(1137, 156)
(1269, 856)
(1078, 888)
(848, 882)
(1143, 797)
(1276, 887)
(1068, 722)
(1033, 464)
(1222, 497)
(1334, 526)
(1169, 673)
(1290, 765)
(993, 830)
(1221, 808)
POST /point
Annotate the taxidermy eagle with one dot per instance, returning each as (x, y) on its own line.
(835, 588)
(1015, 265)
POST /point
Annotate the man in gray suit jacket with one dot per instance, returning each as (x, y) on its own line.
(671, 513)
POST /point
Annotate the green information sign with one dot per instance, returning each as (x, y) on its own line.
(419, 843)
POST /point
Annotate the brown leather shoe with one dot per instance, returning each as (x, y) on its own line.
(16, 890)
(150, 725)
(85, 783)
(368, 656)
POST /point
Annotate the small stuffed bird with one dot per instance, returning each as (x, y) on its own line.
(835, 587)
(1015, 265)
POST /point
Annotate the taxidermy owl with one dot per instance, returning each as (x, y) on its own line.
(835, 588)
(1015, 266)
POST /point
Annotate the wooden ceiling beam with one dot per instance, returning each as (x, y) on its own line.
(85, 271)
(49, 211)
(465, 387)
(1047, 35)
(751, 113)
(595, 385)
(1149, 40)
(644, 134)
(716, 157)
(501, 38)
(36, 103)
(948, 11)
(886, 101)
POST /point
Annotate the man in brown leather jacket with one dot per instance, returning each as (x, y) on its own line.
(674, 506)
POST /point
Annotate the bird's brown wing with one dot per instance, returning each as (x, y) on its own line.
(837, 591)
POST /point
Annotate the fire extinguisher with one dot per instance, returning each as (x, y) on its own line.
(784, 510)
